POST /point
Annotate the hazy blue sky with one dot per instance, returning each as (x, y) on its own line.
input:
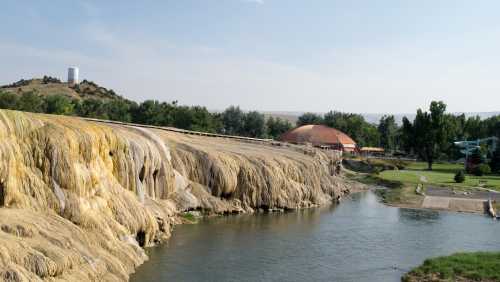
(298, 55)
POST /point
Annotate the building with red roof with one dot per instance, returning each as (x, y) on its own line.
(320, 136)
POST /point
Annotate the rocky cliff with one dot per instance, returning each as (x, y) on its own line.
(79, 199)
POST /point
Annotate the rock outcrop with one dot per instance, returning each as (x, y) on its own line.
(79, 199)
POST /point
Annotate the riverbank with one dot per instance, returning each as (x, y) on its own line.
(79, 200)
(479, 266)
(422, 195)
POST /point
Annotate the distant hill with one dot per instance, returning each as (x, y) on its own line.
(50, 86)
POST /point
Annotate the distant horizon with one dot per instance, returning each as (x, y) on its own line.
(285, 112)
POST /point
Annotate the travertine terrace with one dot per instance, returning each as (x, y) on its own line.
(80, 199)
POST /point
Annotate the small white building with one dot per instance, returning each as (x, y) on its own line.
(73, 75)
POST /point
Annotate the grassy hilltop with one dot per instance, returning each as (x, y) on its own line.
(52, 86)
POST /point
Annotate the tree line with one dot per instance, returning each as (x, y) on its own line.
(429, 136)
(354, 125)
(232, 121)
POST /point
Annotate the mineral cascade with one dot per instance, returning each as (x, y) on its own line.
(79, 200)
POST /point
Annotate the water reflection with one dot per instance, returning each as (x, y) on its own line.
(358, 240)
(429, 216)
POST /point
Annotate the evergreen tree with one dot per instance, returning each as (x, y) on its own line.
(388, 130)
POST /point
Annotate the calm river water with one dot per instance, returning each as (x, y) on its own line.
(357, 240)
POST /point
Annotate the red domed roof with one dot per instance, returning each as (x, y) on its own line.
(317, 135)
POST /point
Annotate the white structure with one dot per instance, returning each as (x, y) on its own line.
(73, 75)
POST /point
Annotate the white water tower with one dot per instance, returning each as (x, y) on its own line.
(73, 75)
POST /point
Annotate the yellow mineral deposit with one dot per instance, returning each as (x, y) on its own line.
(80, 199)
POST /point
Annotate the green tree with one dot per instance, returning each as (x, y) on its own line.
(8, 100)
(205, 121)
(154, 113)
(454, 131)
(424, 143)
(407, 136)
(31, 102)
(429, 132)
(254, 124)
(460, 122)
(309, 118)
(388, 130)
(354, 125)
(369, 136)
(183, 118)
(492, 126)
(474, 128)
(59, 105)
(194, 118)
(92, 108)
(495, 160)
(119, 110)
(277, 126)
(233, 121)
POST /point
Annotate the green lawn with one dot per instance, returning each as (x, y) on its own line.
(441, 175)
(480, 266)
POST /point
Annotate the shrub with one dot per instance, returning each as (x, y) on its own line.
(459, 176)
(482, 169)
(31, 102)
(8, 100)
(59, 105)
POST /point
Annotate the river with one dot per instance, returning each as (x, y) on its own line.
(358, 240)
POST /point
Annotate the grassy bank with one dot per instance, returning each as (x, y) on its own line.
(402, 183)
(480, 266)
(398, 193)
(441, 175)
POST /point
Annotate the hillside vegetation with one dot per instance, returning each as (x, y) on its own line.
(429, 137)
(52, 86)
(87, 99)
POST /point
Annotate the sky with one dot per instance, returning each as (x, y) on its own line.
(384, 56)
